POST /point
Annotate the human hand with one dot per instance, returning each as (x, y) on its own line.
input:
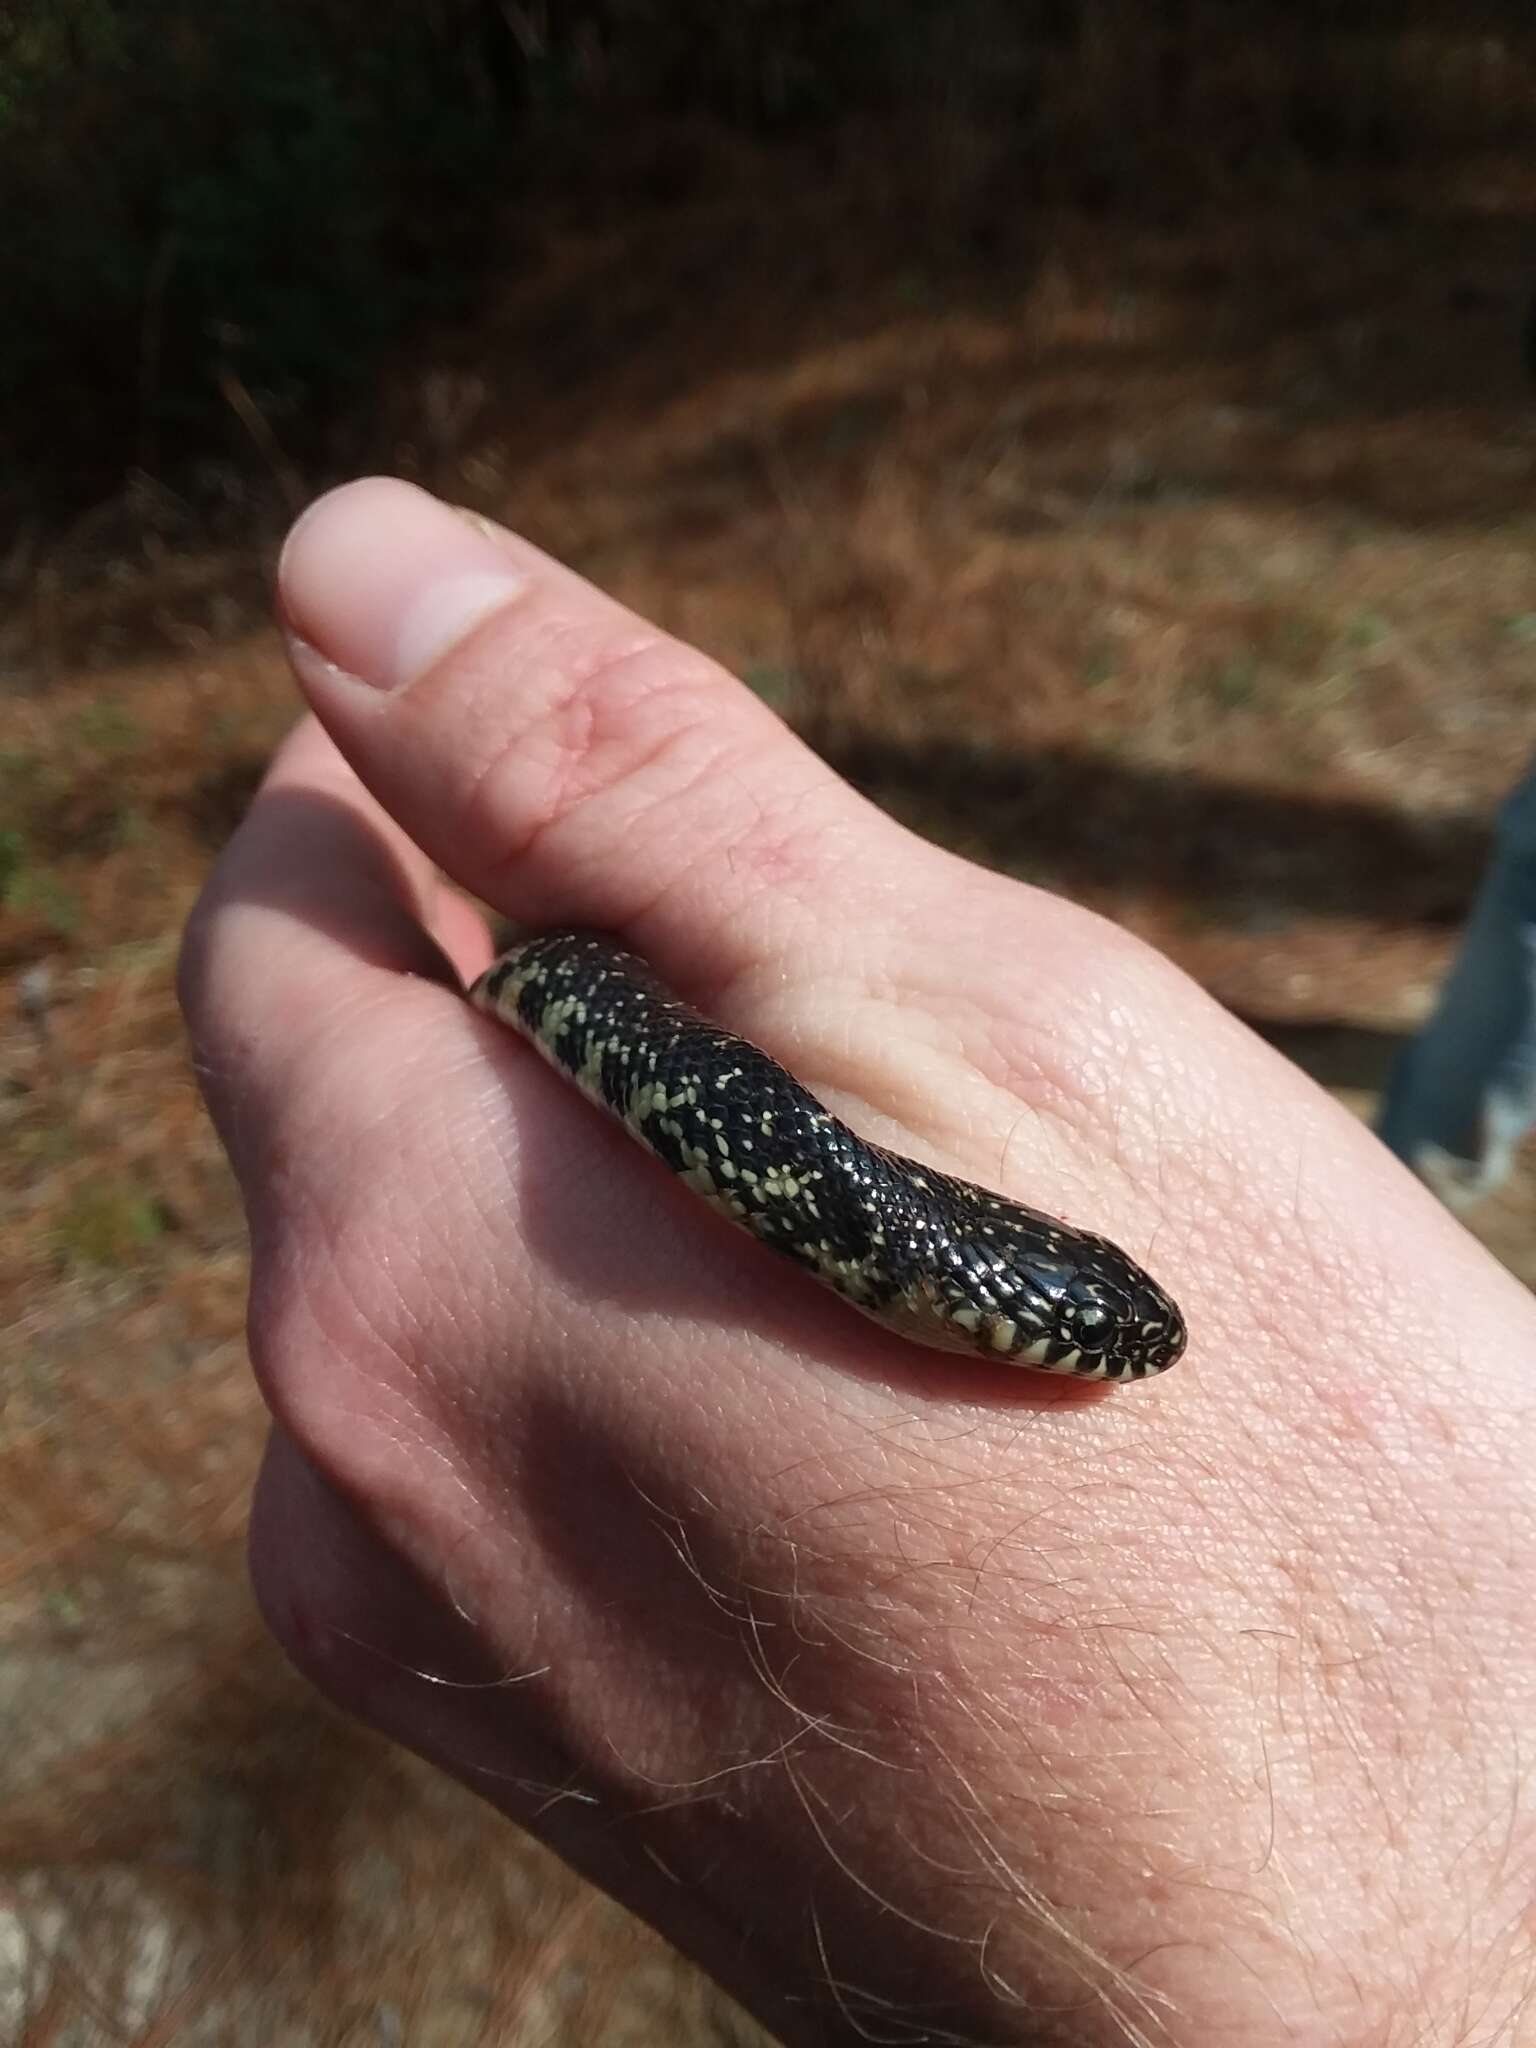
(919, 1700)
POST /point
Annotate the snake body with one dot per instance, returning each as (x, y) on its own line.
(936, 1259)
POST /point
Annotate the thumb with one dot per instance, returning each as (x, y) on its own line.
(556, 755)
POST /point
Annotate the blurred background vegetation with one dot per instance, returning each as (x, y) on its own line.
(1105, 430)
(216, 212)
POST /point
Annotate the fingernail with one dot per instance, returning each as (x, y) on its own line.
(380, 580)
(309, 664)
(481, 523)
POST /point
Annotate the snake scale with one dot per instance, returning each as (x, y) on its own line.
(936, 1259)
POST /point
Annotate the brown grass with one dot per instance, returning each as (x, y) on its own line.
(1184, 567)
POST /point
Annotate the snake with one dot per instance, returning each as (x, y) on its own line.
(938, 1260)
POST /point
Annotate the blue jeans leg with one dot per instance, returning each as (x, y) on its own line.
(1463, 1094)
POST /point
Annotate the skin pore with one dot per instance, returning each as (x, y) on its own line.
(920, 1701)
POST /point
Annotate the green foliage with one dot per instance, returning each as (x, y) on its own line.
(775, 682)
(64, 1606)
(109, 1223)
(770, 64)
(281, 197)
(129, 826)
(1368, 629)
(215, 209)
(1100, 668)
(224, 219)
(20, 774)
(1234, 682)
(33, 888)
(13, 854)
(106, 728)
(45, 1144)
(44, 44)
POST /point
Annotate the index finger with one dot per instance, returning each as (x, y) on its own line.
(316, 909)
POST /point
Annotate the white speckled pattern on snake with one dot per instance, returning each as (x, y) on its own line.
(938, 1260)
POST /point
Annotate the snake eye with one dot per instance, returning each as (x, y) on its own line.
(1093, 1327)
(1099, 1313)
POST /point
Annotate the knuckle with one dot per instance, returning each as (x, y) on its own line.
(630, 727)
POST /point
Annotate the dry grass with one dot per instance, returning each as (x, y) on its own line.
(1187, 569)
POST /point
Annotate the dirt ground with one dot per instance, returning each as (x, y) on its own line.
(1187, 568)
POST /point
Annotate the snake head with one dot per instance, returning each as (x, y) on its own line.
(1119, 1320)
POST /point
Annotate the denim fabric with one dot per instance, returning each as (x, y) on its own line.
(1463, 1094)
